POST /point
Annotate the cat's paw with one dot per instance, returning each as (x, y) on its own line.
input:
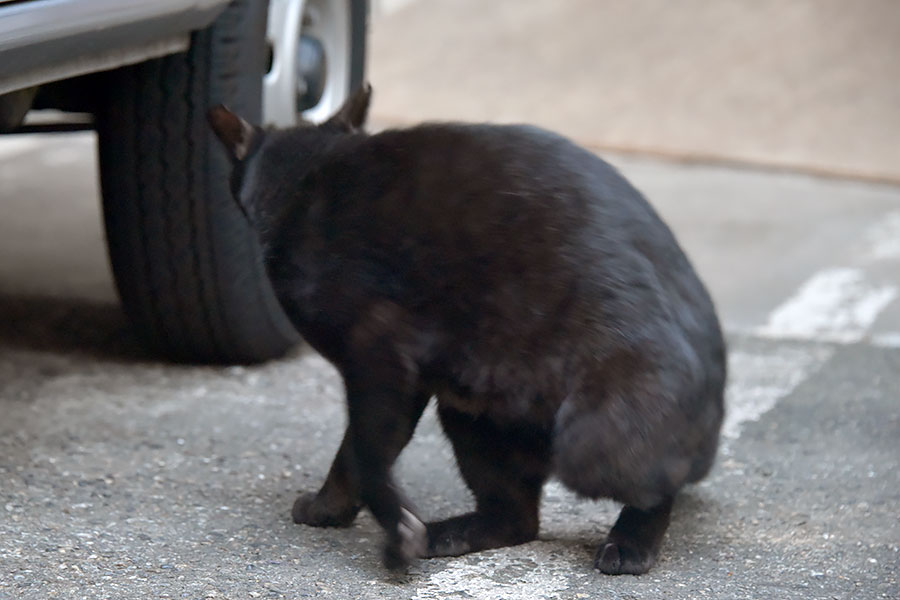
(410, 541)
(618, 558)
(447, 541)
(311, 509)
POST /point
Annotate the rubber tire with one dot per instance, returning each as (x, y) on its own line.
(187, 266)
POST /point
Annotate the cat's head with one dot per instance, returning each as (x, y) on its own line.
(263, 158)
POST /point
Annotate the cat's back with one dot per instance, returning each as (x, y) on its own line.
(502, 224)
(493, 180)
(503, 156)
(522, 196)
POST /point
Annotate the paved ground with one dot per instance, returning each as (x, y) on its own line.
(121, 477)
(124, 478)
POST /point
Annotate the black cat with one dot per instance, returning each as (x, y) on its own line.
(520, 280)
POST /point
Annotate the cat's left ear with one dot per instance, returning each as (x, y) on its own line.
(236, 134)
(352, 115)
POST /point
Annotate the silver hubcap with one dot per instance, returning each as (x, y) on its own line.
(320, 61)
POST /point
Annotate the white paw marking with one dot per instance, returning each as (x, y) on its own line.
(412, 533)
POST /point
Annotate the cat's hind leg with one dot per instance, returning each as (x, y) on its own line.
(505, 467)
(633, 543)
(637, 447)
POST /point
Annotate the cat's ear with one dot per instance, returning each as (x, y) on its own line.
(352, 115)
(236, 134)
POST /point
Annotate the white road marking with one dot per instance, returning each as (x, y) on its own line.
(835, 305)
(757, 381)
(887, 340)
(884, 238)
(535, 571)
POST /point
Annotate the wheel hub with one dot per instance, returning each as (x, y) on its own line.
(311, 72)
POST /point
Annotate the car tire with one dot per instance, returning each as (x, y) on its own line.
(187, 265)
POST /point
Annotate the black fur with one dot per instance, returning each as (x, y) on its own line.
(520, 280)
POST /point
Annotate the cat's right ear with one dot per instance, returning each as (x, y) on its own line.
(352, 115)
(236, 134)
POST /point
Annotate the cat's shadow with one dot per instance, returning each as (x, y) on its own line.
(92, 328)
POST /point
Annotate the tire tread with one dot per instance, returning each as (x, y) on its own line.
(188, 268)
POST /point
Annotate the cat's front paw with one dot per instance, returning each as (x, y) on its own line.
(408, 542)
(312, 509)
(623, 559)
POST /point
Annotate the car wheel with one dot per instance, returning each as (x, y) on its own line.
(187, 265)
(317, 58)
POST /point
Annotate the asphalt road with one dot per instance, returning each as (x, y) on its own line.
(121, 477)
